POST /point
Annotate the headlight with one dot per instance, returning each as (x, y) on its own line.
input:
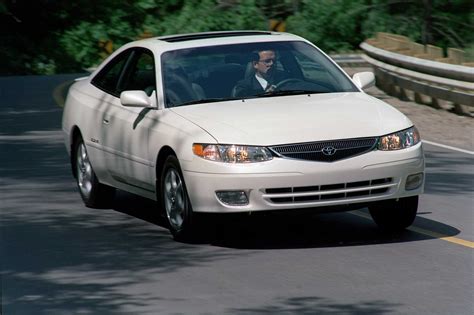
(399, 140)
(230, 153)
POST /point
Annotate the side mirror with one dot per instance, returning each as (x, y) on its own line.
(136, 99)
(364, 79)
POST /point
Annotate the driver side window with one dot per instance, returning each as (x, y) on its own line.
(108, 78)
(141, 74)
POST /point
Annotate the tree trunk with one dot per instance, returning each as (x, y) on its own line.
(427, 33)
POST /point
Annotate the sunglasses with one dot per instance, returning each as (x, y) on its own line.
(267, 61)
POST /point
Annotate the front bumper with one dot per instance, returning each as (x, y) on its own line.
(295, 184)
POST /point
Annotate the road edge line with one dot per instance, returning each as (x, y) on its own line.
(448, 147)
(434, 235)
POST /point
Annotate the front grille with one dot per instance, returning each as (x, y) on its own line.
(339, 191)
(326, 151)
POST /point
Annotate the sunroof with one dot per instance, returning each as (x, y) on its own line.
(185, 37)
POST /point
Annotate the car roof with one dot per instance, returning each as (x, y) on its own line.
(161, 44)
(206, 35)
(180, 41)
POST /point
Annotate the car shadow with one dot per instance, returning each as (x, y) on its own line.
(318, 305)
(285, 229)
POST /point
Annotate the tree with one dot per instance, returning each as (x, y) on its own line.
(46, 36)
(332, 25)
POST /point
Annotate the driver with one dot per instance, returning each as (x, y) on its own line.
(263, 78)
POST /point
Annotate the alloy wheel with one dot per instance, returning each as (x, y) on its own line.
(174, 198)
(84, 170)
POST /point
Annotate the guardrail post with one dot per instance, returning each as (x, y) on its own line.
(424, 99)
(461, 110)
(418, 98)
(403, 95)
(384, 82)
(435, 103)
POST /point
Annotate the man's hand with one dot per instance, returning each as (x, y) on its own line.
(270, 88)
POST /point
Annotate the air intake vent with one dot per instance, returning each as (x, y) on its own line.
(326, 151)
(315, 194)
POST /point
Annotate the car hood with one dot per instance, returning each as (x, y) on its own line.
(294, 119)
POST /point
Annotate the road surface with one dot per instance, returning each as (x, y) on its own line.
(59, 257)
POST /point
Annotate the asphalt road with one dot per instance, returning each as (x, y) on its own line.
(59, 257)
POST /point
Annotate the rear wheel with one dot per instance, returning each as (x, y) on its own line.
(175, 201)
(394, 215)
(93, 193)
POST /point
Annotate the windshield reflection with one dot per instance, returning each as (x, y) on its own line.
(239, 71)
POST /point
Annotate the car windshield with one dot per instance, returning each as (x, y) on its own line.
(240, 71)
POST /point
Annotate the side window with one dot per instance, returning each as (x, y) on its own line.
(141, 75)
(108, 77)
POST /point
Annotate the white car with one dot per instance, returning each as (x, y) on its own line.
(188, 121)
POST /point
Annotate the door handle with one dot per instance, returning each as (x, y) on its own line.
(105, 121)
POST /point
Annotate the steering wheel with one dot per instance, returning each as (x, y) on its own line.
(303, 84)
(177, 83)
(280, 84)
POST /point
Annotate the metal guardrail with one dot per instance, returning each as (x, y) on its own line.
(441, 69)
(350, 60)
(396, 73)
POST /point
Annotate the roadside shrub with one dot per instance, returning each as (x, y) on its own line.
(332, 25)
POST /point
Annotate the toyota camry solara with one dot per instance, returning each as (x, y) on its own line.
(241, 121)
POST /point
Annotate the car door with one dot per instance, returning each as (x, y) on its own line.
(124, 130)
(101, 100)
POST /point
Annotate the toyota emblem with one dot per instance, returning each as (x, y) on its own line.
(330, 150)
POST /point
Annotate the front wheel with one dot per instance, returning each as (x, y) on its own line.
(93, 193)
(394, 215)
(175, 201)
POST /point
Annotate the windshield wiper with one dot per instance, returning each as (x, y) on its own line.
(206, 100)
(265, 94)
(289, 92)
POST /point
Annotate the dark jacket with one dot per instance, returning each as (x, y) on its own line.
(248, 87)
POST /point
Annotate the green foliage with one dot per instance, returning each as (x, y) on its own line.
(198, 16)
(42, 65)
(443, 23)
(62, 36)
(281, 9)
(381, 18)
(84, 42)
(333, 25)
(3, 8)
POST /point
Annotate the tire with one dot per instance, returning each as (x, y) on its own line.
(93, 193)
(394, 215)
(175, 201)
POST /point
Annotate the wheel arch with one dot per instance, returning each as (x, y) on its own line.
(165, 151)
